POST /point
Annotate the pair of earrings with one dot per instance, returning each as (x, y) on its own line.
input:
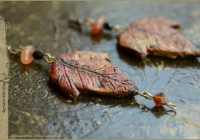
(90, 72)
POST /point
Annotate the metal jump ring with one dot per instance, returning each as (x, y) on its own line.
(48, 58)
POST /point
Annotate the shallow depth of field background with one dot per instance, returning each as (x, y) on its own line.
(37, 108)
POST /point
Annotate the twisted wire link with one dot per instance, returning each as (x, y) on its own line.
(48, 58)
(14, 51)
(150, 97)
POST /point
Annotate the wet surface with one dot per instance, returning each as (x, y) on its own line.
(36, 107)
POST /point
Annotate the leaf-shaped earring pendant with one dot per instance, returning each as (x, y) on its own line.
(89, 72)
(154, 36)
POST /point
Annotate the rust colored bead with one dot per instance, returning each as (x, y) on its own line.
(98, 26)
(159, 99)
(26, 55)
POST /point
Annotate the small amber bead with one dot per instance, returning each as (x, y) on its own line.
(98, 26)
(159, 99)
(26, 55)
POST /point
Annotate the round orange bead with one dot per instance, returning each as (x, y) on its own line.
(159, 99)
(98, 25)
(26, 55)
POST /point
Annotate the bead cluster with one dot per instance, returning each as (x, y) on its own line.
(100, 24)
(28, 54)
(97, 26)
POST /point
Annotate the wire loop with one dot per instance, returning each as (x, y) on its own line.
(150, 97)
(48, 58)
(146, 95)
(14, 51)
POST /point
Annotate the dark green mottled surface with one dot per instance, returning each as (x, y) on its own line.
(37, 108)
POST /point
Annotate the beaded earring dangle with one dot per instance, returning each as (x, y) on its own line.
(153, 36)
(78, 72)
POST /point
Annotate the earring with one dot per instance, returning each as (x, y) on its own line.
(83, 71)
(154, 36)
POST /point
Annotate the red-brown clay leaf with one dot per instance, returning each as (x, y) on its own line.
(82, 71)
(156, 36)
